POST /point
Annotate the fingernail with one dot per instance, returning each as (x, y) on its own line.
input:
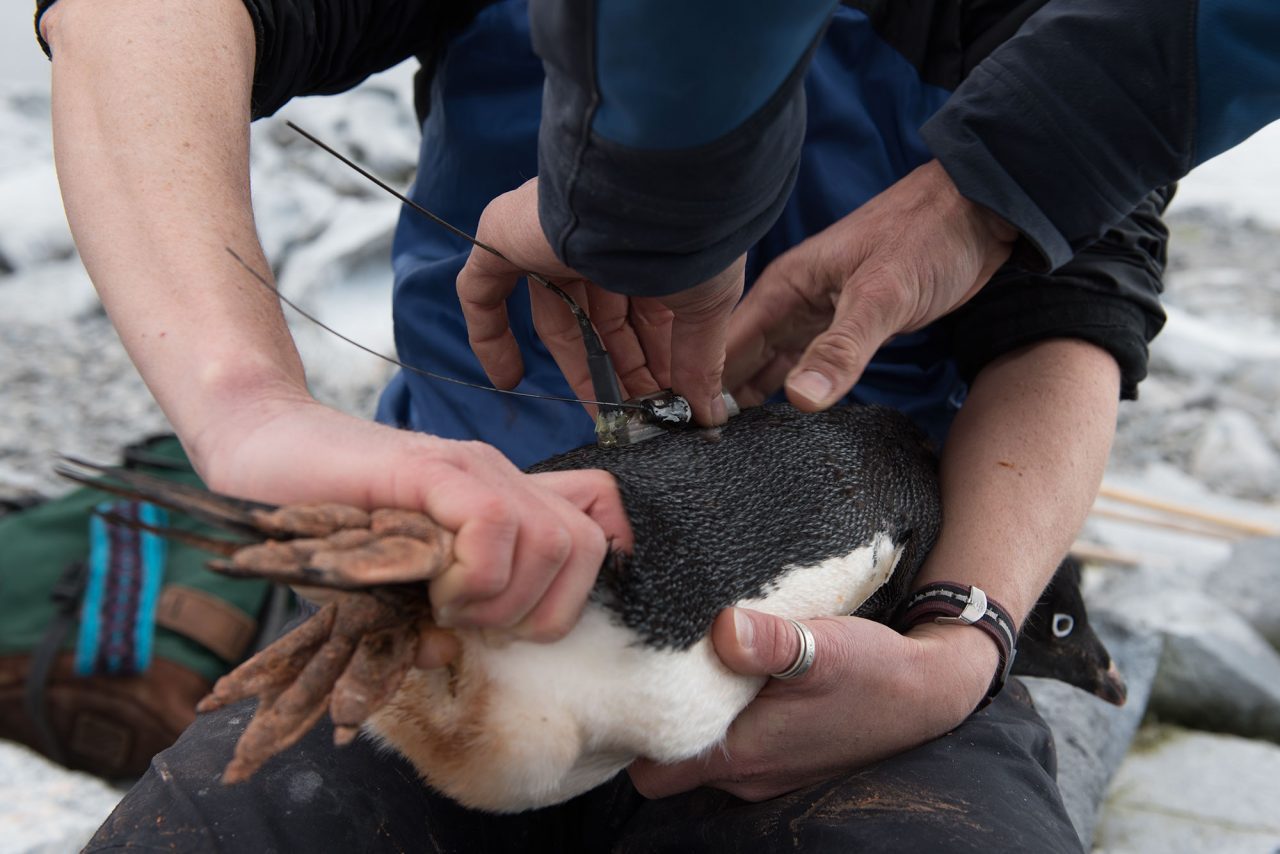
(811, 385)
(445, 615)
(719, 410)
(744, 629)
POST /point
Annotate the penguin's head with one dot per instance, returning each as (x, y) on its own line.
(1058, 643)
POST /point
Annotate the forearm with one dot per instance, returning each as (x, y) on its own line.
(150, 114)
(1021, 468)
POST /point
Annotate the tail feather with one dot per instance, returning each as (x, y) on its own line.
(213, 545)
(231, 514)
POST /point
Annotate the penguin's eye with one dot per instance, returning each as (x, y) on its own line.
(1063, 624)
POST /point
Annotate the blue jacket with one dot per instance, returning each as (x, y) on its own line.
(696, 136)
(480, 138)
(1062, 131)
(866, 99)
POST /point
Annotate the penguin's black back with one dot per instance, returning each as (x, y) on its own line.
(716, 521)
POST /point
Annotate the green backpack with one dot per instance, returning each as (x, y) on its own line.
(110, 635)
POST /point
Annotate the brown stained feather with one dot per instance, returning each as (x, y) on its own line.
(365, 645)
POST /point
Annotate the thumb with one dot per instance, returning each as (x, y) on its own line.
(865, 317)
(753, 643)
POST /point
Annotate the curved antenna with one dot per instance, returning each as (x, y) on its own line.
(443, 378)
(602, 374)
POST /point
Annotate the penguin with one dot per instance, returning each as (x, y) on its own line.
(798, 515)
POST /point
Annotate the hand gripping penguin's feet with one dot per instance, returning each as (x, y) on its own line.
(801, 515)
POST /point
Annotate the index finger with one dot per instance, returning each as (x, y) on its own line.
(699, 331)
(484, 284)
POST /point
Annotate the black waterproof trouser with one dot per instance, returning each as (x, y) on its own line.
(986, 787)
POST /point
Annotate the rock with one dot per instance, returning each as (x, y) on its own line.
(344, 279)
(1234, 455)
(33, 228)
(1216, 672)
(48, 809)
(1093, 736)
(289, 212)
(357, 235)
(68, 388)
(1242, 580)
(1181, 791)
(47, 293)
(1190, 346)
(1261, 381)
(375, 126)
(24, 126)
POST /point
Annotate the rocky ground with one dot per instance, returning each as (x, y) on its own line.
(1191, 764)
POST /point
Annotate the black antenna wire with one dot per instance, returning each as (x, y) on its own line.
(326, 327)
(596, 352)
(604, 379)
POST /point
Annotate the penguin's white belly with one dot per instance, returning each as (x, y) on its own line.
(516, 725)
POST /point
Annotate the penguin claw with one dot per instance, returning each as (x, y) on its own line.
(345, 560)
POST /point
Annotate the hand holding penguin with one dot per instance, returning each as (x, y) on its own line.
(845, 712)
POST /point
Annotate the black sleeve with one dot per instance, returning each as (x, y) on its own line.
(1108, 295)
(316, 47)
(1067, 125)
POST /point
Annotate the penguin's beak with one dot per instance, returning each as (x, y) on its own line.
(1111, 686)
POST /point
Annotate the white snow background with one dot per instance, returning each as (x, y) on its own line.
(1206, 432)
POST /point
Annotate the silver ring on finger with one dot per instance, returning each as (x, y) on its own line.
(804, 658)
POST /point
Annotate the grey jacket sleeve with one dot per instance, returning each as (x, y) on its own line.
(671, 131)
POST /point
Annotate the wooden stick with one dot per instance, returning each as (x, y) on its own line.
(1098, 553)
(1186, 527)
(1257, 529)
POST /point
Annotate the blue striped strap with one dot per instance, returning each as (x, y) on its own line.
(125, 572)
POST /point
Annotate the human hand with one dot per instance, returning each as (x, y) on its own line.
(526, 548)
(870, 694)
(819, 312)
(675, 341)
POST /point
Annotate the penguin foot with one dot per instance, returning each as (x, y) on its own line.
(349, 658)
